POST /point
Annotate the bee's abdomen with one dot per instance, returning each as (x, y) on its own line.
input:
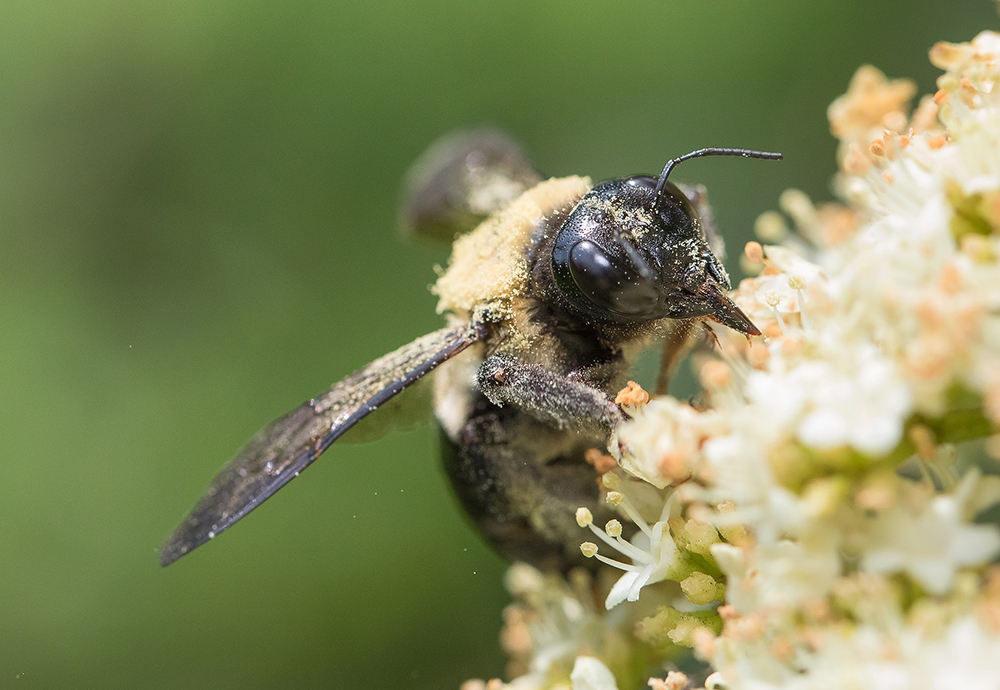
(520, 481)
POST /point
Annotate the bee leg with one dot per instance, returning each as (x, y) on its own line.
(677, 344)
(462, 179)
(563, 401)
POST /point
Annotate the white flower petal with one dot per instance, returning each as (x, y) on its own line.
(590, 674)
(619, 592)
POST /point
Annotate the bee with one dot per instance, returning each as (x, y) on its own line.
(553, 288)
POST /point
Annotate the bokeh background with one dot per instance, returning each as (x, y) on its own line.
(197, 232)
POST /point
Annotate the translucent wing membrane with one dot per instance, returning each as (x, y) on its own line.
(291, 443)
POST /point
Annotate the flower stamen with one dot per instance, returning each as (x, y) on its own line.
(619, 500)
(772, 299)
(798, 284)
(612, 537)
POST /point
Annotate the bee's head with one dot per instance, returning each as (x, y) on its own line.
(633, 250)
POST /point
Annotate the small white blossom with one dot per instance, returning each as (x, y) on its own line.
(743, 477)
(652, 551)
(780, 575)
(961, 657)
(659, 556)
(590, 674)
(864, 407)
(930, 543)
(665, 448)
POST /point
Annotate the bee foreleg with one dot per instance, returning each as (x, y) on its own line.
(563, 401)
(676, 345)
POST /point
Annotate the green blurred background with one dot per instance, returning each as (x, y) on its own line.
(197, 232)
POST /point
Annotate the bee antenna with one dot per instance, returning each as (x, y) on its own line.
(714, 151)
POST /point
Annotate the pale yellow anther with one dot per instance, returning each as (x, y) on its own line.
(773, 299)
(611, 480)
(584, 517)
(613, 528)
(754, 252)
(797, 283)
(770, 226)
(798, 205)
(615, 498)
(588, 549)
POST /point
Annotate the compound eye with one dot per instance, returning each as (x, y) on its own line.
(611, 283)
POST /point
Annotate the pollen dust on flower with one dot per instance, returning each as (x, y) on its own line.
(632, 395)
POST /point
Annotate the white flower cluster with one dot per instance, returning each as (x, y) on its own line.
(821, 527)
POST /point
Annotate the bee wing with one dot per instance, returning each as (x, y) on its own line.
(291, 443)
(461, 180)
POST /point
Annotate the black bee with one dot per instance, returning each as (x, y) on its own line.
(548, 300)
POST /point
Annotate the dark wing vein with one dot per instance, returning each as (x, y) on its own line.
(291, 443)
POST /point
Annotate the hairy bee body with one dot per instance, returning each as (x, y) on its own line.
(553, 288)
(519, 477)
